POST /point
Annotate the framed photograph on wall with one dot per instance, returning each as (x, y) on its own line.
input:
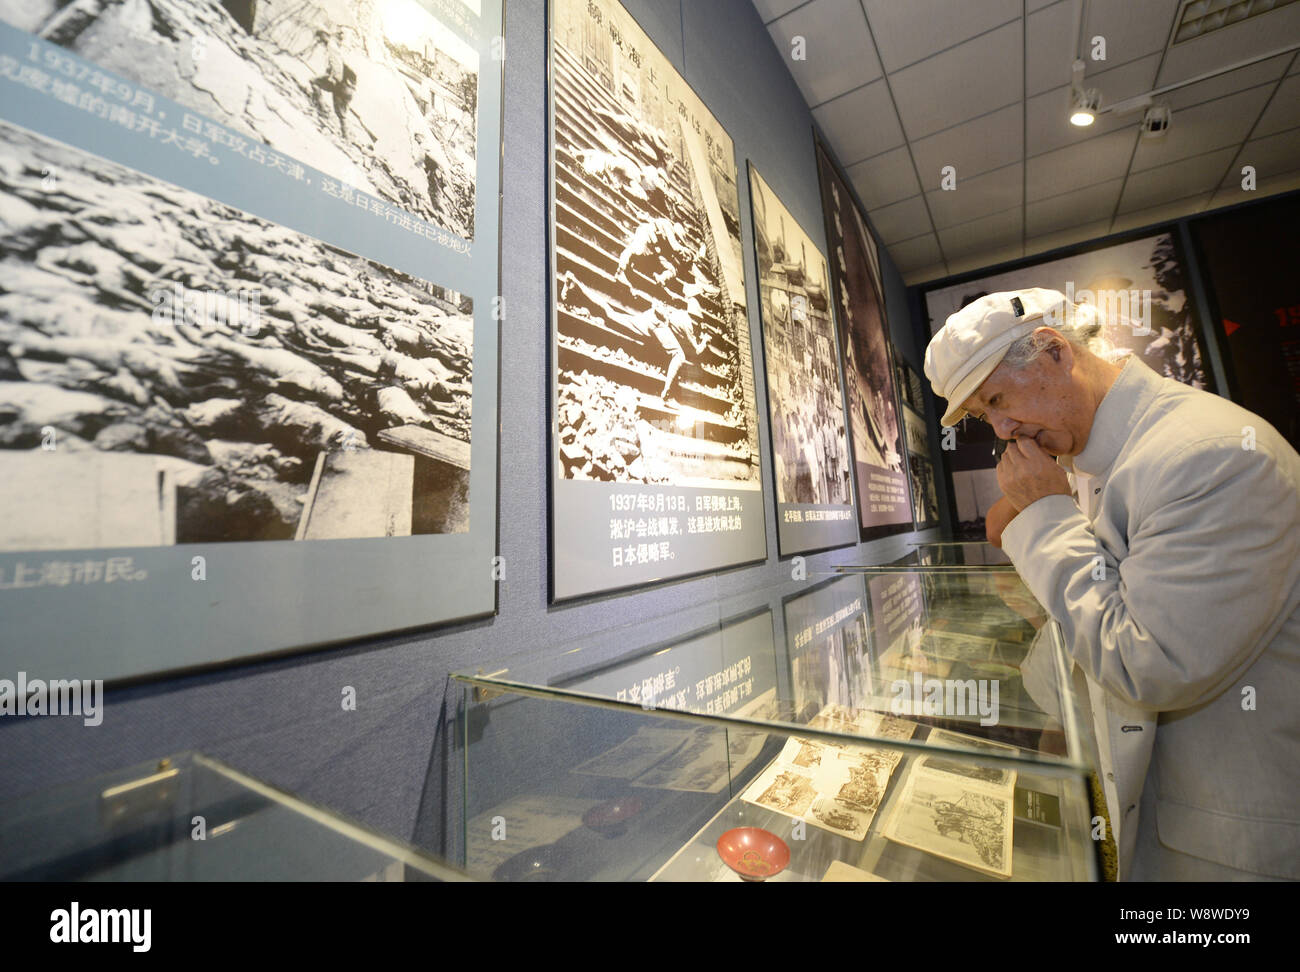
(811, 463)
(654, 432)
(248, 360)
(1138, 282)
(876, 430)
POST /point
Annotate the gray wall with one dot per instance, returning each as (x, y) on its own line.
(391, 763)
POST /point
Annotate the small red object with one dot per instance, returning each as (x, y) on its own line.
(753, 853)
(612, 813)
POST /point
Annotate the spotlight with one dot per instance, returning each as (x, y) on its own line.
(1156, 121)
(1083, 106)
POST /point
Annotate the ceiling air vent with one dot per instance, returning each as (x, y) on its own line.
(1199, 17)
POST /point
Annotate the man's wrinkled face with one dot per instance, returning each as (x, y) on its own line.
(1044, 401)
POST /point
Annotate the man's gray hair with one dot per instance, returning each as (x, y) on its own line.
(1081, 324)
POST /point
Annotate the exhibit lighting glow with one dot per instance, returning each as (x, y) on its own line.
(1083, 106)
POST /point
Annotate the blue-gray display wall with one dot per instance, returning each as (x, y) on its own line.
(392, 763)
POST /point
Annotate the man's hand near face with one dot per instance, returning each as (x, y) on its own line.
(1027, 473)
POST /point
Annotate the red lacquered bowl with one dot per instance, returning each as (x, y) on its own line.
(753, 853)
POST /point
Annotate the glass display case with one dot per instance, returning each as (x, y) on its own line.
(192, 818)
(901, 723)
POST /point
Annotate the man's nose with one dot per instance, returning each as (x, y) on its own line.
(1005, 427)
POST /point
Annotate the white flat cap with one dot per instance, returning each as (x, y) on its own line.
(973, 341)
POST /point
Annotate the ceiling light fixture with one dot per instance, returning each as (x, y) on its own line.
(1156, 121)
(1083, 106)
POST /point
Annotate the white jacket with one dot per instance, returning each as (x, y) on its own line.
(1176, 583)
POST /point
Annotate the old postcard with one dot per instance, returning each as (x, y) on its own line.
(939, 814)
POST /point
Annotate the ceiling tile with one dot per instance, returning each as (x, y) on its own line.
(1228, 45)
(980, 258)
(972, 147)
(769, 10)
(907, 32)
(1033, 5)
(884, 178)
(1226, 84)
(1130, 29)
(861, 123)
(1164, 213)
(839, 55)
(1076, 166)
(971, 79)
(1047, 115)
(936, 272)
(901, 221)
(991, 192)
(991, 233)
(1195, 131)
(1073, 208)
(1284, 110)
(1270, 156)
(1168, 182)
(1268, 186)
(1048, 56)
(918, 252)
(1080, 233)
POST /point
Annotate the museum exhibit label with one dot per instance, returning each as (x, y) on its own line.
(248, 334)
(654, 429)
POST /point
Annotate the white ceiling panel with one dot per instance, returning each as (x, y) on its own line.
(1076, 166)
(1283, 111)
(1164, 213)
(1228, 45)
(1185, 178)
(995, 232)
(955, 86)
(861, 123)
(1077, 233)
(981, 257)
(1226, 84)
(1093, 204)
(1271, 156)
(1132, 28)
(921, 251)
(901, 221)
(908, 30)
(1198, 130)
(1047, 120)
(936, 272)
(982, 195)
(769, 10)
(976, 146)
(837, 48)
(1033, 5)
(885, 178)
(1048, 56)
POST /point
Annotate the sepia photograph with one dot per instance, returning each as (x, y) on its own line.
(942, 815)
(378, 94)
(810, 448)
(173, 370)
(925, 501)
(998, 779)
(782, 789)
(883, 489)
(654, 374)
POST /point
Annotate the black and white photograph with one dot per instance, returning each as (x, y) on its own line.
(173, 370)
(653, 369)
(884, 501)
(378, 94)
(942, 815)
(925, 501)
(1140, 288)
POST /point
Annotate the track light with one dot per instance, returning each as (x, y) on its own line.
(1156, 121)
(1083, 106)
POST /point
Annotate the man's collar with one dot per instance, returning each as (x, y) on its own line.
(1113, 421)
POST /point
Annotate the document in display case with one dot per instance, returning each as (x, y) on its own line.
(875, 723)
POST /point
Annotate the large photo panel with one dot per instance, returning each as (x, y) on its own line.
(1140, 285)
(248, 361)
(876, 430)
(811, 464)
(655, 455)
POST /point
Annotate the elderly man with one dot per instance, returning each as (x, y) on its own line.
(1173, 571)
